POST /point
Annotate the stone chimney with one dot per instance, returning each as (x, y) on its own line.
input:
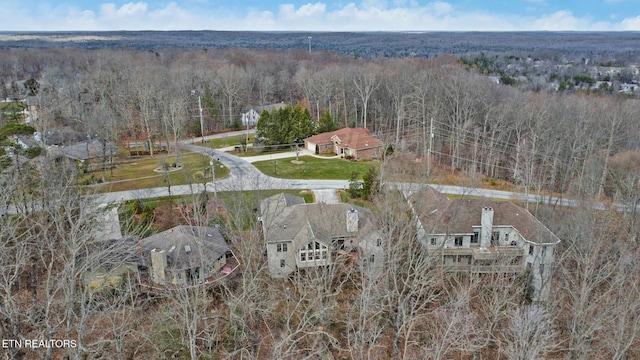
(486, 223)
(352, 220)
(158, 266)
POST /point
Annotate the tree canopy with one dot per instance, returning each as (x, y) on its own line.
(284, 125)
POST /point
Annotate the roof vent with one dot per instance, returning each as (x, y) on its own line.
(187, 249)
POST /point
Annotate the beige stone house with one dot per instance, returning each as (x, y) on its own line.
(480, 235)
(300, 235)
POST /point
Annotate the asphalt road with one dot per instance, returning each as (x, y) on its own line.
(244, 176)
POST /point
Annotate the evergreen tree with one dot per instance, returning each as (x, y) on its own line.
(370, 183)
(326, 123)
(283, 125)
(355, 186)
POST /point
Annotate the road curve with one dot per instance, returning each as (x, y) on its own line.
(244, 176)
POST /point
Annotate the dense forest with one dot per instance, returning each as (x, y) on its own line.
(581, 145)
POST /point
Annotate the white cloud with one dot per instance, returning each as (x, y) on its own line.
(630, 24)
(369, 15)
(110, 11)
(288, 11)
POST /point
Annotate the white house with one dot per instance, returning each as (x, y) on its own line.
(250, 118)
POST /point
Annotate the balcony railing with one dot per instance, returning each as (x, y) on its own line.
(485, 269)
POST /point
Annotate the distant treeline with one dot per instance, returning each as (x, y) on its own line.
(365, 44)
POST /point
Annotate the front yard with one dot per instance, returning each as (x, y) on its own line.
(314, 168)
(147, 172)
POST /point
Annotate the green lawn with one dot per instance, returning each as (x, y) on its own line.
(225, 142)
(132, 173)
(314, 168)
(250, 152)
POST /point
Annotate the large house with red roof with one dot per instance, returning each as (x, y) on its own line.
(356, 143)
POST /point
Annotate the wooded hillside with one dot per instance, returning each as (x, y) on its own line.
(579, 145)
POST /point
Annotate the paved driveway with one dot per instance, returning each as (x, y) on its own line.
(327, 196)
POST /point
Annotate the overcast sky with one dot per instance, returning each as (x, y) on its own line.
(328, 15)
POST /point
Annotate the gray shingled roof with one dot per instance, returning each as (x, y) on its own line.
(294, 220)
(440, 215)
(86, 151)
(191, 245)
(270, 107)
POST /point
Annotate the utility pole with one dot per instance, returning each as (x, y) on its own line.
(246, 145)
(430, 147)
(213, 178)
(201, 119)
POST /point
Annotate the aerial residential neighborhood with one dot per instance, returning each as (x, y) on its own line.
(189, 203)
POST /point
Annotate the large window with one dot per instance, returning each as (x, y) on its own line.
(474, 238)
(281, 247)
(314, 251)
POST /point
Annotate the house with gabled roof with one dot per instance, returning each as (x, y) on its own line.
(480, 235)
(186, 254)
(299, 235)
(251, 117)
(356, 143)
